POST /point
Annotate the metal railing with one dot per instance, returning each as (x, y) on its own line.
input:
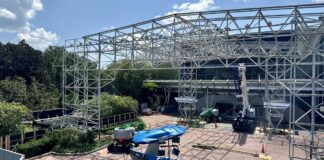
(115, 120)
(10, 142)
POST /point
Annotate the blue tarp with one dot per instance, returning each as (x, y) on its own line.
(163, 133)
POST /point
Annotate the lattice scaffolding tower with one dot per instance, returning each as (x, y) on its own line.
(285, 42)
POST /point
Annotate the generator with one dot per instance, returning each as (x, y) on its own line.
(122, 139)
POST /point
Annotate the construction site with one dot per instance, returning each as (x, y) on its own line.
(257, 73)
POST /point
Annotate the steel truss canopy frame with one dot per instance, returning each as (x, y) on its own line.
(285, 42)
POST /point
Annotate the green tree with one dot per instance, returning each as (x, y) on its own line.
(36, 96)
(21, 60)
(13, 90)
(30, 77)
(165, 71)
(53, 56)
(130, 77)
(42, 97)
(11, 116)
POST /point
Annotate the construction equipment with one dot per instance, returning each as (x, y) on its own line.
(122, 139)
(245, 119)
(210, 115)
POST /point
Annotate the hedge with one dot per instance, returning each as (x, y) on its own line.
(36, 147)
(62, 138)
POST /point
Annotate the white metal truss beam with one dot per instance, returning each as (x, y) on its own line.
(285, 42)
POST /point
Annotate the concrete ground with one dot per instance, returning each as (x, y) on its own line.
(230, 145)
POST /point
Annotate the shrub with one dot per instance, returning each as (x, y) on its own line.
(88, 137)
(71, 137)
(140, 125)
(60, 139)
(36, 147)
(65, 137)
(112, 104)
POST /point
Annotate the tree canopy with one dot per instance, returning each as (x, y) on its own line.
(30, 77)
(129, 82)
(21, 60)
(11, 115)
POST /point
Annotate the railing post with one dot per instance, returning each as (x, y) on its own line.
(22, 136)
(114, 120)
(1, 142)
(7, 142)
(108, 122)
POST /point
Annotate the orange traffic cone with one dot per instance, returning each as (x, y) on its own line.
(262, 149)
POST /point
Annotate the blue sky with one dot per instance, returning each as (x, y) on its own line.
(50, 22)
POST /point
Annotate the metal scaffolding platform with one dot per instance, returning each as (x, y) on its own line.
(253, 85)
(285, 42)
(274, 115)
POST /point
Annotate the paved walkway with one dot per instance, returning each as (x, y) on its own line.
(222, 137)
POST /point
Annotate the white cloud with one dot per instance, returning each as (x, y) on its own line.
(20, 11)
(318, 1)
(15, 16)
(36, 5)
(7, 14)
(39, 38)
(201, 5)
